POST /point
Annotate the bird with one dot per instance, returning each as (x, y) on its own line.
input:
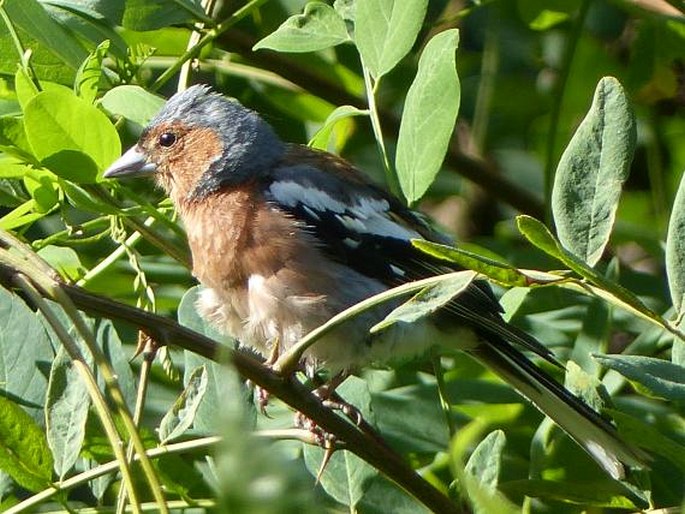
(283, 237)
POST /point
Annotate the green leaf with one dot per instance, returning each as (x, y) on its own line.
(42, 186)
(133, 103)
(32, 17)
(69, 136)
(63, 259)
(484, 498)
(675, 250)
(322, 136)
(385, 31)
(108, 339)
(154, 14)
(82, 199)
(499, 271)
(24, 451)
(657, 377)
(427, 301)
(13, 140)
(66, 411)
(182, 413)
(591, 172)
(346, 476)
(429, 115)
(318, 28)
(13, 170)
(20, 377)
(540, 236)
(89, 73)
(543, 14)
(24, 214)
(649, 437)
(24, 86)
(595, 493)
(225, 393)
(484, 463)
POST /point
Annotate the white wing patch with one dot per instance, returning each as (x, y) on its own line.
(365, 216)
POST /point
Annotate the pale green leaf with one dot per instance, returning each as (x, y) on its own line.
(66, 411)
(657, 377)
(484, 463)
(322, 136)
(591, 173)
(427, 301)
(133, 103)
(346, 476)
(182, 413)
(385, 31)
(675, 250)
(429, 115)
(319, 27)
(70, 136)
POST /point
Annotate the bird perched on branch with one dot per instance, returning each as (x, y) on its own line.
(284, 237)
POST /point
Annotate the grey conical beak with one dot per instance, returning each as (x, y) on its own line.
(133, 163)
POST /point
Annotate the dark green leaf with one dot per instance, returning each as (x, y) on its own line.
(23, 367)
(429, 115)
(599, 494)
(31, 16)
(318, 28)
(24, 451)
(649, 438)
(155, 14)
(385, 31)
(591, 172)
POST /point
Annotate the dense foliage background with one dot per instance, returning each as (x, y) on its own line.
(80, 78)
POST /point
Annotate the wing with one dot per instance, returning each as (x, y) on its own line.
(359, 225)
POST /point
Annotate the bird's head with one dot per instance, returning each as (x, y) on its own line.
(200, 141)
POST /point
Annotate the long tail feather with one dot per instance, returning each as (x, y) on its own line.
(591, 431)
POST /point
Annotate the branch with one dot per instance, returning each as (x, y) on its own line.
(292, 392)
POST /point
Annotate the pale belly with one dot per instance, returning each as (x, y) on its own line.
(265, 318)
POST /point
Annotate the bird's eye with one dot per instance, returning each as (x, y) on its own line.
(167, 139)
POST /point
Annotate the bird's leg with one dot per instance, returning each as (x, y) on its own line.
(261, 396)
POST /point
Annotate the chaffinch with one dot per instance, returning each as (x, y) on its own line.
(283, 237)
